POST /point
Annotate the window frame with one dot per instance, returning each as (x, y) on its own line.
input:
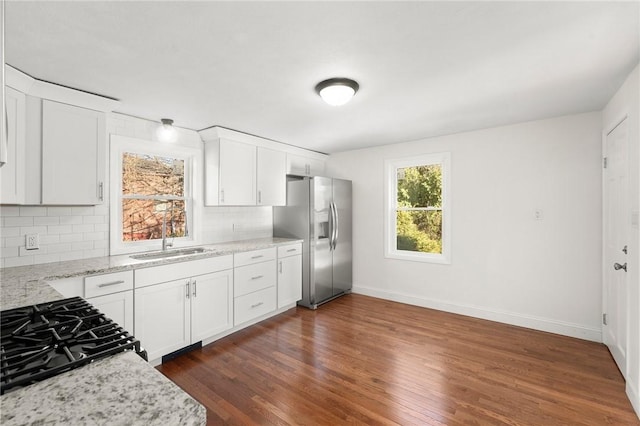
(390, 220)
(191, 156)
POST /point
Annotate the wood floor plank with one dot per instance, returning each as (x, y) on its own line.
(361, 360)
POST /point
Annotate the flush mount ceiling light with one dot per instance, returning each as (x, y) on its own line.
(337, 91)
(166, 132)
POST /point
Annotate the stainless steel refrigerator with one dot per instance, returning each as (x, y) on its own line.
(318, 211)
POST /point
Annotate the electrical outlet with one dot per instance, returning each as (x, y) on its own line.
(32, 242)
(538, 214)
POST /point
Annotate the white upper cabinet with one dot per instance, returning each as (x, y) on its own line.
(237, 174)
(300, 165)
(56, 147)
(73, 154)
(246, 170)
(272, 180)
(12, 177)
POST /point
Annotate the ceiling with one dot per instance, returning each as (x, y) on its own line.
(424, 68)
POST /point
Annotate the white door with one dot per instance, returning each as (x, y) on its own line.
(616, 231)
(272, 177)
(162, 317)
(211, 304)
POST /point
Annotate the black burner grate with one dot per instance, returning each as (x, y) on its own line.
(41, 341)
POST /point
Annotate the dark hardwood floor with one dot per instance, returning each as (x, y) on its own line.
(363, 360)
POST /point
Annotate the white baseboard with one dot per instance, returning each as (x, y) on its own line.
(634, 397)
(528, 321)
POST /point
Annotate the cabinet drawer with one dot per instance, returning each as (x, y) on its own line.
(99, 285)
(250, 278)
(253, 305)
(255, 256)
(289, 250)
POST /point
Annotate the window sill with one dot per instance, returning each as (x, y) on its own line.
(422, 257)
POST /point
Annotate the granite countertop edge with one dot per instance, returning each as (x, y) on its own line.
(27, 285)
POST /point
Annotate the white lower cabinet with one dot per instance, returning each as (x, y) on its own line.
(179, 304)
(111, 294)
(254, 284)
(172, 306)
(175, 314)
(254, 305)
(211, 304)
(162, 318)
(117, 306)
(289, 274)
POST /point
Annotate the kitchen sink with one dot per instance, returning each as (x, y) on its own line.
(169, 253)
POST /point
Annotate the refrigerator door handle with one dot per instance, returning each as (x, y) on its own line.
(336, 226)
(332, 226)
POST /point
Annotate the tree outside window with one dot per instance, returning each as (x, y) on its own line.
(417, 216)
(152, 187)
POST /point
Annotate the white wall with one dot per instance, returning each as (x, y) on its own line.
(506, 266)
(76, 232)
(626, 102)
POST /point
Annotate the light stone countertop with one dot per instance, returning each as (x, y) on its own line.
(26, 285)
(119, 390)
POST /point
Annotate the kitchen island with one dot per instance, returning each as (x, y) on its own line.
(117, 390)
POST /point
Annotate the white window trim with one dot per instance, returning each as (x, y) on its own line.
(193, 177)
(391, 166)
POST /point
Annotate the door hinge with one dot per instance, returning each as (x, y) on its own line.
(604, 319)
(604, 162)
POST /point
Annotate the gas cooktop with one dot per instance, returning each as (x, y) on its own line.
(41, 341)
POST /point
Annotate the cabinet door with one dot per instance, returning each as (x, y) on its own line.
(237, 174)
(12, 174)
(289, 280)
(117, 306)
(272, 177)
(162, 317)
(304, 166)
(211, 304)
(316, 167)
(73, 156)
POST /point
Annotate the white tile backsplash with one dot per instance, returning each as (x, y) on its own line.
(77, 232)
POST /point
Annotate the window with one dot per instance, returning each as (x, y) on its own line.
(153, 189)
(153, 196)
(417, 208)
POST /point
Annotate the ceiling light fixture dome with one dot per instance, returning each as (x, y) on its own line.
(166, 132)
(337, 91)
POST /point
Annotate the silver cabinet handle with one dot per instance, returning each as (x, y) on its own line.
(222, 195)
(194, 288)
(257, 304)
(259, 197)
(257, 277)
(280, 266)
(101, 191)
(187, 288)
(290, 250)
(110, 284)
(257, 257)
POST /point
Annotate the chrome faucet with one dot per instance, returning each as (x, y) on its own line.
(165, 244)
